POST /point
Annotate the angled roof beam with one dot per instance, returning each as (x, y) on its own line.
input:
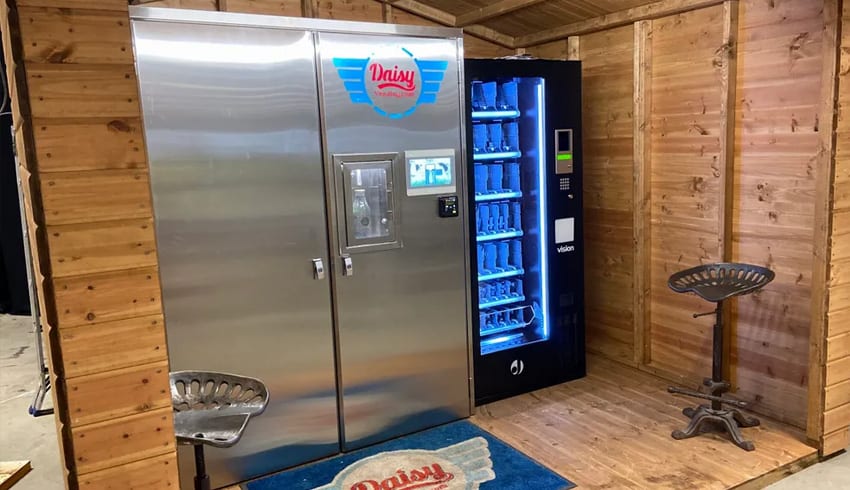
(447, 19)
(616, 19)
(424, 11)
(493, 10)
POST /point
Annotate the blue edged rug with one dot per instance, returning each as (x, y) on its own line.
(456, 456)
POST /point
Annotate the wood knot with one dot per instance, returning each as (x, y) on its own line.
(118, 125)
(698, 184)
(699, 129)
(60, 56)
(90, 316)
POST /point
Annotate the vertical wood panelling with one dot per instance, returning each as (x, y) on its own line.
(181, 4)
(550, 51)
(291, 8)
(685, 181)
(359, 10)
(836, 358)
(399, 16)
(726, 59)
(821, 399)
(607, 73)
(478, 48)
(780, 64)
(574, 48)
(642, 195)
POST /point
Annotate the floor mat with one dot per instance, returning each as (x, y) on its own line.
(456, 456)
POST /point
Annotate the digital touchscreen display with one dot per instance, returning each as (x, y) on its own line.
(429, 172)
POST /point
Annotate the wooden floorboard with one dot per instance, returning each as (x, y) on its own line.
(612, 428)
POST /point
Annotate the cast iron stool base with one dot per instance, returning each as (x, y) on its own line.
(729, 419)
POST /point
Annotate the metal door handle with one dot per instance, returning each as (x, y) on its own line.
(318, 269)
(347, 266)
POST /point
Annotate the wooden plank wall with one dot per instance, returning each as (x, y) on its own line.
(836, 351)
(82, 156)
(608, 138)
(772, 113)
(779, 62)
(607, 126)
(357, 10)
(685, 183)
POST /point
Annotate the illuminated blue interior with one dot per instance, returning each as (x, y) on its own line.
(510, 211)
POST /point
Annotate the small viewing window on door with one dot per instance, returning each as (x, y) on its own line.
(371, 211)
(370, 214)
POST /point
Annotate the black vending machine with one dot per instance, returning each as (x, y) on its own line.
(524, 145)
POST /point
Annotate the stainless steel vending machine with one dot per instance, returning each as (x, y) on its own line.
(310, 207)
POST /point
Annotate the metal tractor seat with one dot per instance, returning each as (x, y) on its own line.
(717, 283)
(213, 409)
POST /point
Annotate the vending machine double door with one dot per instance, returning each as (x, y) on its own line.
(524, 146)
(309, 200)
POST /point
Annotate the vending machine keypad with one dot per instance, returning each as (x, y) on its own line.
(448, 206)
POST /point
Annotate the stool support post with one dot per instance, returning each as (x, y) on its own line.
(717, 354)
(202, 479)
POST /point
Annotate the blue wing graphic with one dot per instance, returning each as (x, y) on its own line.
(432, 77)
(352, 71)
(473, 456)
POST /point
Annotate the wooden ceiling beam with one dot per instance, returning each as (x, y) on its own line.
(441, 17)
(493, 10)
(424, 11)
(615, 19)
(491, 35)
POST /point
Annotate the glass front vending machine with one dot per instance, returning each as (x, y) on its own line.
(524, 142)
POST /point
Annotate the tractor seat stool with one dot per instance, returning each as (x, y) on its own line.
(717, 283)
(213, 409)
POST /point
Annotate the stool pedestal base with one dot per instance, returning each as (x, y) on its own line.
(729, 420)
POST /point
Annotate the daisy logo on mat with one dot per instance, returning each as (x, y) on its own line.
(462, 466)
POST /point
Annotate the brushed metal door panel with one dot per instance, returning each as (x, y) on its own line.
(402, 316)
(231, 118)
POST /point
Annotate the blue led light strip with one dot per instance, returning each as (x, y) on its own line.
(495, 114)
(544, 241)
(500, 275)
(502, 155)
(498, 196)
(500, 340)
(499, 236)
(502, 302)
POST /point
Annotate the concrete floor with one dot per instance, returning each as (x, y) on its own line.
(23, 437)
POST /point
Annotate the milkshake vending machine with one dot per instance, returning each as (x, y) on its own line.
(309, 194)
(524, 146)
